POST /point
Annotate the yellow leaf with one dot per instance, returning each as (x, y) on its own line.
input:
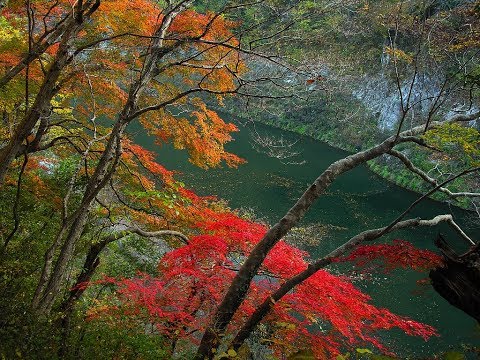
(364, 351)
(231, 353)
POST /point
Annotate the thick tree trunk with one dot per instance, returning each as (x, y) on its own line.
(53, 286)
(69, 30)
(39, 108)
(459, 280)
(47, 293)
(91, 263)
(47, 265)
(49, 38)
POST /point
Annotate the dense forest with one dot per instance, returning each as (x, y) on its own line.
(107, 254)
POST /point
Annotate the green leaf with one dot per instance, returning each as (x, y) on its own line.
(454, 355)
(302, 355)
(364, 351)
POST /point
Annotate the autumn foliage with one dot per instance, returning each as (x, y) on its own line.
(326, 313)
(72, 167)
(398, 255)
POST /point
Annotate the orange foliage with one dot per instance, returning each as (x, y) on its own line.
(8, 59)
(203, 135)
(119, 16)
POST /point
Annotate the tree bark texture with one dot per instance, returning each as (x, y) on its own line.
(48, 89)
(47, 293)
(459, 280)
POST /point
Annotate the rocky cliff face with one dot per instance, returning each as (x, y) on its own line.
(380, 94)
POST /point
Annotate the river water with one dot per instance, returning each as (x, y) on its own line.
(357, 201)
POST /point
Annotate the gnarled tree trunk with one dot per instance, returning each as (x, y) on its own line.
(49, 88)
(459, 280)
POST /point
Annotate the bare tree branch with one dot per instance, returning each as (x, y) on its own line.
(410, 166)
(289, 284)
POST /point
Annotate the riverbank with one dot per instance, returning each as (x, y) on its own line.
(390, 171)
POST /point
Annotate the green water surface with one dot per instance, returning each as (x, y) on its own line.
(357, 201)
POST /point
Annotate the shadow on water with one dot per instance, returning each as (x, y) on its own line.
(357, 201)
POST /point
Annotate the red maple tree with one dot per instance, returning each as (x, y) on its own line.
(326, 313)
